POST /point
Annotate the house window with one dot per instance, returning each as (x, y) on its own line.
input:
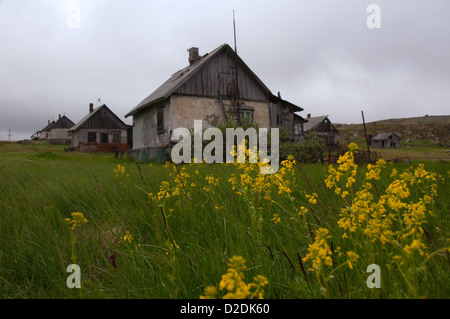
(247, 114)
(104, 138)
(116, 137)
(298, 129)
(160, 120)
(92, 137)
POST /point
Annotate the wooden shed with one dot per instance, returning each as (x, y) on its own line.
(323, 127)
(100, 131)
(385, 140)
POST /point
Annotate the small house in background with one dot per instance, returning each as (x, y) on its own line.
(57, 132)
(100, 131)
(385, 140)
(323, 127)
(43, 133)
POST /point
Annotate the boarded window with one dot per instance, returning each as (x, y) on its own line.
(103, 138)
(92, 137)
(160, 121)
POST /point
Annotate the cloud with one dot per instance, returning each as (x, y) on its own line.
(319, 54)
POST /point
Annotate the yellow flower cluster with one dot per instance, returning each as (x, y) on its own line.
(252, 183)
(319, 251)
(120, 171)
(127, 238)
(234, 285)
(212, 183)
(77, 220)
(390, 218)
(179, 186)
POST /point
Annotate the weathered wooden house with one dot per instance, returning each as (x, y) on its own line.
(100, 131)
(385, 140)
(213, 88)
(56, 132)
(323, 127)
(299, 128)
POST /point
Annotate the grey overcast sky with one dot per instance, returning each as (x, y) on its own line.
(320, 54)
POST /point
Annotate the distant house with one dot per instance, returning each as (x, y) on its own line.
(323, 127)
(57, 132)
(213, 88)
(100, 131)
(385, 140)
(43, 133)
(299, 128)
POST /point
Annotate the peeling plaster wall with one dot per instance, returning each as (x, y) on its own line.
(181, 111)
(186, 109)
(145, 132)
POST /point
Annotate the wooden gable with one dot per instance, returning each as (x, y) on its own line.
(217, 77)
(103, 118)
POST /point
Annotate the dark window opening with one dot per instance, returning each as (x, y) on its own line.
(116, 137)
(160, 121)
(92, 137)
(104, 138)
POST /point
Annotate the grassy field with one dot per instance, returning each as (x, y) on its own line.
(165, 231)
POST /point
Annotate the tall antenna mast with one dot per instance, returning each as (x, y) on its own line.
(236, 73)
(234, 29)
(9, 135)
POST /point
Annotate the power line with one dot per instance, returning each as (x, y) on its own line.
(9, 135)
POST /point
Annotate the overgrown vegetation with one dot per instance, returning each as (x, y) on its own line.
(167, 231)
(311, 150)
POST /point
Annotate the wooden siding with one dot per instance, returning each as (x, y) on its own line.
(63, 122)
(218, 77)
(103, 119)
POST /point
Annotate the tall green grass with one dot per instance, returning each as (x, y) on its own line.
(39, 189)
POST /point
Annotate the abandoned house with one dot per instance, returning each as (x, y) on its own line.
(57, 132)
(100, 131)
(213, 88)
(299, 128)
(385, 140)
(323, 127)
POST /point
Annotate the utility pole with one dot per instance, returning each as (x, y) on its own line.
(9, 135)
(365, 133)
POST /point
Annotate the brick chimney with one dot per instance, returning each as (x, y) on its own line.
(193, 55)
(59, 116)
(91, 107)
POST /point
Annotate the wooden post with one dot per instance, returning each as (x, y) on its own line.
(365, 133)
